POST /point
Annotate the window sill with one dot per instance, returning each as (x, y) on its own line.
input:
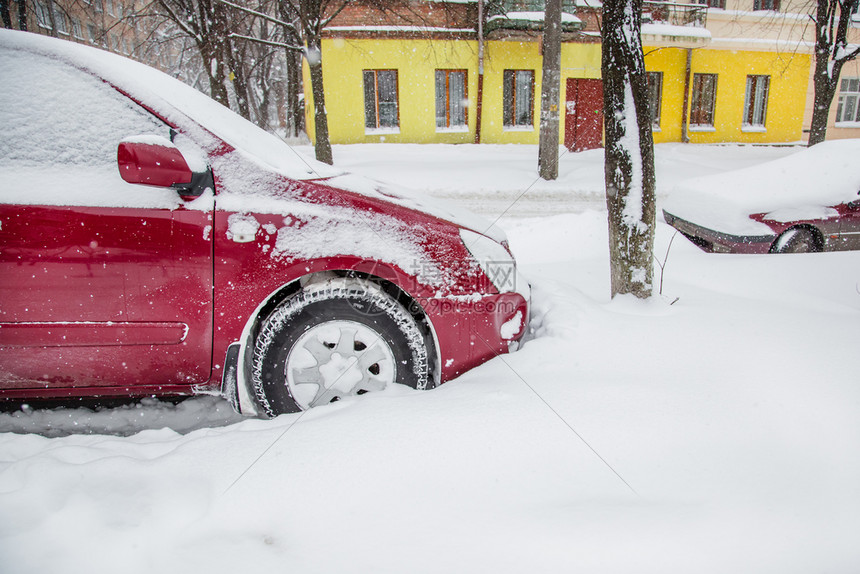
(453, 130)
(754, 129)
(846, 125)
(701, 128)
(518, 128)
(381, 131)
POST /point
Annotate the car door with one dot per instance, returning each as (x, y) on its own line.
(102, 283)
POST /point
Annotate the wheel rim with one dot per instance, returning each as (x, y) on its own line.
(800, 242)
(336, 359)
(803, 244)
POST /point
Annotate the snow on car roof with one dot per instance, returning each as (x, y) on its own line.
(801, 184)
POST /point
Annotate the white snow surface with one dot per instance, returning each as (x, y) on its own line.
(712, 429)
(800, 186)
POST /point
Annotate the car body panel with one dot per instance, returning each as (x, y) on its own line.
(127, 282)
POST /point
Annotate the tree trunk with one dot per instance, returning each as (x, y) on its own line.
(6, 14)
(825, 89)
(629, 154)
(215, 73)
(295, 113)
(52, 17)
(22, 15)
(238, 79)
(550, 88)
(322, 148)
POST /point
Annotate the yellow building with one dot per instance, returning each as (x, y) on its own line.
(415, 78)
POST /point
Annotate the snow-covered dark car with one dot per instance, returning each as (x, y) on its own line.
(805, 202)
(154, 243)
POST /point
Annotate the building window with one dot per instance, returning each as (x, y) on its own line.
(43, 17)
(766, 5)
(380, 99)
(655, 96)
(848, 109)
(755, 103)
(712, 3)
(77, 32)
(450, 98)
(60, 21)
(519, 95)
(704, 97)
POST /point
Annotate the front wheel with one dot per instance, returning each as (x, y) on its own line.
(795, 240)
(335, 339)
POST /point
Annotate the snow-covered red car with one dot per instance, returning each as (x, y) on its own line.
(804, 202)
(154, 243)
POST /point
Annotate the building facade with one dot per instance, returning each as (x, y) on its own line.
(727, 72)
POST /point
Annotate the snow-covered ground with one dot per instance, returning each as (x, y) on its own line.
(713, 429)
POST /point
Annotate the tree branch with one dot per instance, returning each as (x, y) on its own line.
(268, 42)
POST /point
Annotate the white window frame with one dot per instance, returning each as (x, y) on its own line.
(755, 102)
(848, 104)
(518, 84)
(374, 123)
(452, 110)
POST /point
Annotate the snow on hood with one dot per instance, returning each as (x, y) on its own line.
(419, 202)
(797, 187)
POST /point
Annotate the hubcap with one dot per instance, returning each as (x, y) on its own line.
(337, 359)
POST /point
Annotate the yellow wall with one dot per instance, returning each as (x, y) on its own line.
(673, 63)
(417, 60)
(788, 73)
(786, 99)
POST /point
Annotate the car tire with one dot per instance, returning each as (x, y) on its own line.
(334, 339)
(795, 240)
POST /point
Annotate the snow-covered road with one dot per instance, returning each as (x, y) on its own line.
(713, 429)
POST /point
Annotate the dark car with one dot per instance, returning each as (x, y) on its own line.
(154, 243)
(805, 202)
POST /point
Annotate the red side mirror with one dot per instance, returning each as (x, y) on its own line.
(152, 161)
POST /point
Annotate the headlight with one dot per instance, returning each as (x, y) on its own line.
(494, 260)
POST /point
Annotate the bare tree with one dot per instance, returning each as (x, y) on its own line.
(629, 159)
(313, 16)
(832, 20)
(206, 23)
(550, 89)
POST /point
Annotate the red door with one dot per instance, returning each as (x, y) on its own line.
(583, 124)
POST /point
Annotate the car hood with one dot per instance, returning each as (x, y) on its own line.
(417, 201)
(802, 186)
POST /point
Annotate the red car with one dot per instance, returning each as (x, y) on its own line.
(154, 243)
(805, 202)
